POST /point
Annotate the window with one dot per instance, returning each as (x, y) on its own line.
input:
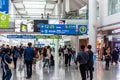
(113, 7)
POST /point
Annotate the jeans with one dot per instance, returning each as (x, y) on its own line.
(69, 59)
(46, 62)
(83, 71)
(7, 76)
(66, 59)
(29, 68)
(73, 56)
(15, 62)
(91, 72)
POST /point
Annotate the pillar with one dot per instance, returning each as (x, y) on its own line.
(92, 23)
(76, 44)
(57, 13)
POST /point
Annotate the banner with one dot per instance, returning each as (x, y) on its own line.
(4, 10)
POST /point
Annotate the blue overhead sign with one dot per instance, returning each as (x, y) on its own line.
(66, 29)
(21, 36)
(82, 29)
(13, 36)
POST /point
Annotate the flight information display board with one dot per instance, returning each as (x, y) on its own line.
(60, 29)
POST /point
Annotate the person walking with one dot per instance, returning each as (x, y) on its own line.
(107, 58)
(115, 56)
(69, 54)
(5, 67)
(82, 59)
(28, 57)
(47, 58)
(66, 55)
(90, 62)
(16, 54)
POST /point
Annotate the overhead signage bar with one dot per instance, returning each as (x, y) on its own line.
(48, 37)
(21, 36)
(62, 29)
(34, 36)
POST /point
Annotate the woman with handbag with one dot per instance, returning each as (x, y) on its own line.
(6, 65)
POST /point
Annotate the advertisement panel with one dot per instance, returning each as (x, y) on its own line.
(57, 21)
(37, 24)
(24, 26)
(4, 11)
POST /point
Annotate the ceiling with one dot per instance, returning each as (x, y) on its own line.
(34, 8)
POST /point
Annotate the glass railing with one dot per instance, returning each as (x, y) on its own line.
(80, 16)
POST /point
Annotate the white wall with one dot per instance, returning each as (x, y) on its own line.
(104, 18)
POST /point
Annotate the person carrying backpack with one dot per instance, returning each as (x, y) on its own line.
(15, 55)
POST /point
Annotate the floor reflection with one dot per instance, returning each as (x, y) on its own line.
(59, 72)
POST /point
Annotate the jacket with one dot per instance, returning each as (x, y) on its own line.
(29, 54)
(90, 60)
(82, 57)
(5, 58)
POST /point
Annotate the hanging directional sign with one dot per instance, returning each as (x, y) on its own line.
(82, 29)
(65, 29)
(21, 36)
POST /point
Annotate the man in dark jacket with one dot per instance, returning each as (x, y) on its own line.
(90, 62)
(82, 59)
(28, 57)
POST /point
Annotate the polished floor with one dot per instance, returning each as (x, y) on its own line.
(59, 72)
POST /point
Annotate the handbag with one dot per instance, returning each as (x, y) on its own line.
(10, 65)
(37, 56)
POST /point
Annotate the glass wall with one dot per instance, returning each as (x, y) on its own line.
(113, 7)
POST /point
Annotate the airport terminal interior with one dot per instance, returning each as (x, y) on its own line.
(59, 39)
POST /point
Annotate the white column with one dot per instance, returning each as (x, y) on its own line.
(92, 22)
(67, 5)
(57, 13)
(77, 44)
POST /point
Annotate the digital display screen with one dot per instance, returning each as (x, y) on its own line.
(24, 26)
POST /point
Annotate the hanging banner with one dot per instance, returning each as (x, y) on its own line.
(4, 10)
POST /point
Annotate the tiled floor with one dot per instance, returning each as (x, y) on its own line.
(59, 72)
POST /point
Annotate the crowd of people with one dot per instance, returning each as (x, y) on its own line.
(31, 54)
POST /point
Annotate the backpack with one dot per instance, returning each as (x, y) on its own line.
(16, 54)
